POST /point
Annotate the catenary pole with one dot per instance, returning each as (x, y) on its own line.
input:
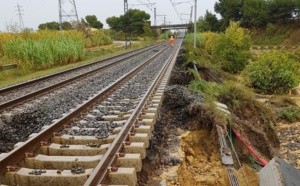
(195, 24)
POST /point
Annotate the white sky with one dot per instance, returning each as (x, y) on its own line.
(41, 11)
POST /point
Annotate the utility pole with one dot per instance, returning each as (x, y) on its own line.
(126, 21)
(155, 16)
(195, 24)
(191, 17)
(21, 23)
(67, 12)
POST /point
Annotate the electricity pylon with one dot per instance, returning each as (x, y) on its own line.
(21, 23)
(67, 12)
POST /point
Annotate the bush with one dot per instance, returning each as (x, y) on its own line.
(290, 114)
(98, 38)
(189, 40)
(232, 49)
(274, 73)
(241, 102)
(209, 39)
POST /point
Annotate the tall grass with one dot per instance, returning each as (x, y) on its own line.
(97, 38)
(189, 39)
(44, 49)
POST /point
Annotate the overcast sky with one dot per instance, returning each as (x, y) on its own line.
(41, 11)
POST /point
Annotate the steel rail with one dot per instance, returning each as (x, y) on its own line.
(100, 172)
(31, 95)
(24, 84)
(32, 145)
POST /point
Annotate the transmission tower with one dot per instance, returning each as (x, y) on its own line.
(21, 23)
(67, 12)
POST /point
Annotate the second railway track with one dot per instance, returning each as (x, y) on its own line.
(20, 93)
(103, 140)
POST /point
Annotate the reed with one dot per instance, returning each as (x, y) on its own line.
(45, 49)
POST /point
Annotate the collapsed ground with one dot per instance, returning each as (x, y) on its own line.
(185, 149)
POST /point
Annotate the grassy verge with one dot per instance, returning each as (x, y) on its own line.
(13, 76)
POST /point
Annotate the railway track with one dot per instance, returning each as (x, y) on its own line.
(14, 95)
(103, 140)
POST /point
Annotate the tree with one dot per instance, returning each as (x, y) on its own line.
(232, 49)
(137, 18)
(49, 25)
(115, 23)
(274, 72)
(209, 22)
(67, 26)
(254, 13)
(281, 9)
(297, 6)
(93, 22)
(230, 10)
(148, 32)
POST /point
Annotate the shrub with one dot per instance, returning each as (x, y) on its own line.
(232, 49)
(209, 39)
(290, 114)
(274, 73)
(189, 40)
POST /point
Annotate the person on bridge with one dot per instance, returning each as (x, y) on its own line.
(171, 41)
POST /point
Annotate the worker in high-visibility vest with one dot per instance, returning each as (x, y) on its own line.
(171, 41)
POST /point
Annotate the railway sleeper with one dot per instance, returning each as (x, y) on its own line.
(32, 177)
(87, 162)
(81, 140)
(55, 150)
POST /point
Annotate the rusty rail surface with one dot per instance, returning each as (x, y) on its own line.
(29, 96)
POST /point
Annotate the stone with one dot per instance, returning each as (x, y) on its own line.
(190, 159)
(180, 131)
(163, 183)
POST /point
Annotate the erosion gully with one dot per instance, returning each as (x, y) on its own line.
(103, 140)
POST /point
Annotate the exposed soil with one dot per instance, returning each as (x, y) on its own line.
(184, 149)
(294, 39)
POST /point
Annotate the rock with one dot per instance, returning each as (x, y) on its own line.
(1, 123)
(298, 163)
(180, 131)
(172, 177)
(163, 183)
(191, 151)
(190, 159)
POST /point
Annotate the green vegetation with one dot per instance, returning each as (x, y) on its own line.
(232, 49)
(273, 34)
(93, 22)
(290, 114)
(137, 18)
(63, 48)
(189, 38)
(256, 13)
(274, 73)
(14, 76)
(45, 49)
(89, 21)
